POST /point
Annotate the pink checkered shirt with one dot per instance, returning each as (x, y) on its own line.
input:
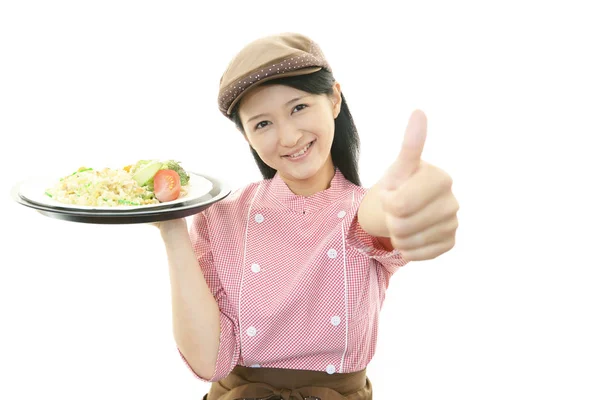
(299, 284)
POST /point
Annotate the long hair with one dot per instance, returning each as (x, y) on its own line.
(345, 148)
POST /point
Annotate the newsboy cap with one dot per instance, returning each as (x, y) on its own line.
(268, 58)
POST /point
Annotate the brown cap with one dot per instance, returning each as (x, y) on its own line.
(270, 57)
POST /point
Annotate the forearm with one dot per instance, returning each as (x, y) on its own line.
(370, 214)
(196, 325)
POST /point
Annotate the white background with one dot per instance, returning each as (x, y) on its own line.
(511, 90)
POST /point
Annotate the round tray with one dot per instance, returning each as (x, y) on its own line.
(32, 191)
(219, 191)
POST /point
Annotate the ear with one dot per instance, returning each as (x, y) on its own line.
(336, 99)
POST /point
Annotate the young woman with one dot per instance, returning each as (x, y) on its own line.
(277, 289)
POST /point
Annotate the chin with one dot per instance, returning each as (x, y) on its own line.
(302, 172)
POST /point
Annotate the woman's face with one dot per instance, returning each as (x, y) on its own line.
(292, 132)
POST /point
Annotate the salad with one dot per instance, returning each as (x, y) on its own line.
(145, 182)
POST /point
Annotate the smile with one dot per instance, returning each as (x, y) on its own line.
(301, 152)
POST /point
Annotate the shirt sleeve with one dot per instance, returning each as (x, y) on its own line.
(229, 343)
(370, 246)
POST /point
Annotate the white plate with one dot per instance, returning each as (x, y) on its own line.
(34, 190)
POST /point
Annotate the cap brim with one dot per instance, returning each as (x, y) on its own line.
(298, 72)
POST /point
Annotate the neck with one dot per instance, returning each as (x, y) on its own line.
(317, 183)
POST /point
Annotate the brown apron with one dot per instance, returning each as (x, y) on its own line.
(245, 383)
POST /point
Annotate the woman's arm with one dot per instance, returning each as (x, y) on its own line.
(371, 217)
(196, 325)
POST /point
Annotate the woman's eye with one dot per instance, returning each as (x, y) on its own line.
(299, 107)
(261, 124)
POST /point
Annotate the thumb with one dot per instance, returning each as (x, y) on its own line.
(409, 159)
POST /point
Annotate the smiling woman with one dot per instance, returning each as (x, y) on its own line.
(315, 248)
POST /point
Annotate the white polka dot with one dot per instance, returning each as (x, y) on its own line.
(251, 331)
(332, 253)
(330, 369)
(342, 214)
(255, 268)
(335, 320)
(259, 218)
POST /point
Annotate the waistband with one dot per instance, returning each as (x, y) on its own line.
(245, 383)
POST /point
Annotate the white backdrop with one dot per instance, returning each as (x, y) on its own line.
(511, 91)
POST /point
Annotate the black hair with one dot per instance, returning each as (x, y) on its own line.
(346, 143)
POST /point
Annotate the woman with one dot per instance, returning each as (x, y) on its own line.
(277, 289)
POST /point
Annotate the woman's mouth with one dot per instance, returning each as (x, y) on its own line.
(300, 154)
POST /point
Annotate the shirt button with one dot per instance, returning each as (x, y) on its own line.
(332, 253)
(330, 369)
(255, 268)
(335, 320)
(251, 331)
(259, 218)
(342, 214)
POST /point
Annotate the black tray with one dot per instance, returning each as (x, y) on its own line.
(219, 191)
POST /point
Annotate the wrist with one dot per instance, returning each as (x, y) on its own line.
(174, 227)
(371, 215)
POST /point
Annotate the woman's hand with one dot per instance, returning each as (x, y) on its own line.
(420, 210)
(166, 227)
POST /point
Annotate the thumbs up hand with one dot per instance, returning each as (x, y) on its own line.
(418, 206)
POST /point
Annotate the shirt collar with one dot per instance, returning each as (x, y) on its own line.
(305, 205)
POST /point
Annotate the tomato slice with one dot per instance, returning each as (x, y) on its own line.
(167, 185)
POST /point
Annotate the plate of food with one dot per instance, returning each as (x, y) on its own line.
(198, 192)
(141, 186)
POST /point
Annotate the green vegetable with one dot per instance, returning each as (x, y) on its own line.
(140, 164)
(82, 170)
(146, 172)
(131, 203)
(174, 165)
(148, 195)
(48, 194)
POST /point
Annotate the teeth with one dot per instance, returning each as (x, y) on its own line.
(298, 154)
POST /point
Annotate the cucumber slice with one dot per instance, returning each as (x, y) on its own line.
(145, 174)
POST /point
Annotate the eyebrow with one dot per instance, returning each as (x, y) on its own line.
(287, 103)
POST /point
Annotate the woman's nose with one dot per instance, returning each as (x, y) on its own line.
(289, 135)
